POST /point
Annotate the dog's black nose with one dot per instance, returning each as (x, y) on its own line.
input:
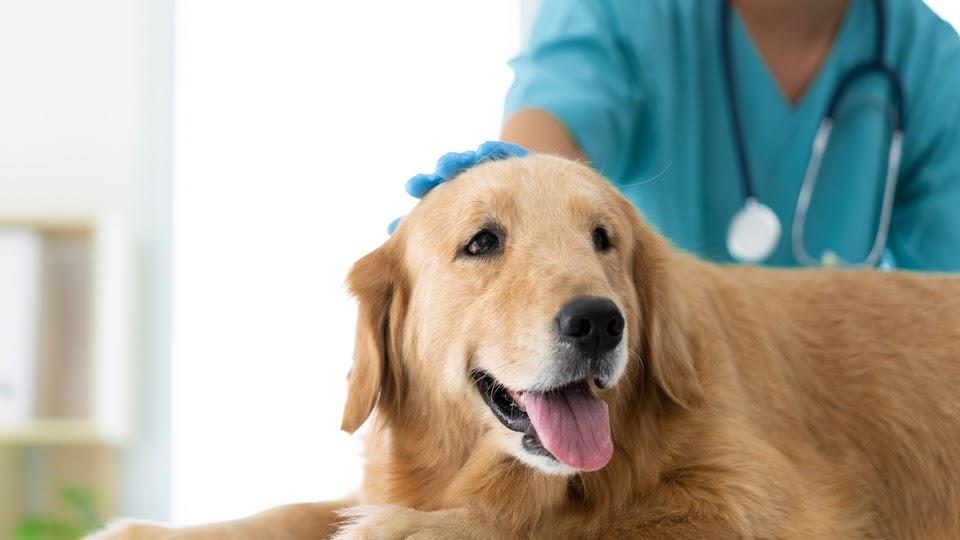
(593, 325)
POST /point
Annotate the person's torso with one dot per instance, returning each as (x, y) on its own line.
(679, 164)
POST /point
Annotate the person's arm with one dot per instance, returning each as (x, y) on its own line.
(925, 226)
(540, 131)
(576, 90)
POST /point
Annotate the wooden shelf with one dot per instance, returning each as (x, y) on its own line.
(79, 410)
(55, 432)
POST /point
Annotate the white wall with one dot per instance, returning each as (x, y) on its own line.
(85, 127)
(298, 123)
(71, 104)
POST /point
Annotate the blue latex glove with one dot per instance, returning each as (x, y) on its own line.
(453, 163)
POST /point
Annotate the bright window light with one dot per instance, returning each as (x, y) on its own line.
(297, 124)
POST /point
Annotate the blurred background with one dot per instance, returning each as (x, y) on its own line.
(183, 187)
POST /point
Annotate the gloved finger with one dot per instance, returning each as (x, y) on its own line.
(453, 163)
(500, 150)
(393, 225)
(421, 184)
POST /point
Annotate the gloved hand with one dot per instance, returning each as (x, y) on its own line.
(453, 163)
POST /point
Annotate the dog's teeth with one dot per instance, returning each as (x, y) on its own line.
(517, 396)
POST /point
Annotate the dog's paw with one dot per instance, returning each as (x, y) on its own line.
(375, 523)
(132, 530)
(397, 522)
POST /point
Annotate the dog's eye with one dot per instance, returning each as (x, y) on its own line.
(482, 243)
(601, 240)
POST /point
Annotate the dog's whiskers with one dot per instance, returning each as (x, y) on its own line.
(648, 180)
(633, 355)
(503, 365)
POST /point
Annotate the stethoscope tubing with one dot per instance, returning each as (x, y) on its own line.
(822, 138)
(820, 142)
(733, 103)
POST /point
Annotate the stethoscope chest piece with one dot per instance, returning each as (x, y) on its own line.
(754, 232)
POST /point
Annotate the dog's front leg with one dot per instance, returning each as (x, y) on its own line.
(306, 520)
(387, 522)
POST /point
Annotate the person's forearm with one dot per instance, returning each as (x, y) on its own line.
(539, 131)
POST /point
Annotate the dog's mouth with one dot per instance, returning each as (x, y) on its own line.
(567, 423)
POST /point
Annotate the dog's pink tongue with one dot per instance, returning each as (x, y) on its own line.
(573, 425)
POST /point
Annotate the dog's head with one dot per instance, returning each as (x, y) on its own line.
(518, 296)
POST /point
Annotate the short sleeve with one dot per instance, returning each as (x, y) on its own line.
(925, 227)
(578, 67)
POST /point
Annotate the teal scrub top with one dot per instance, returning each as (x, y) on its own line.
(639, 85)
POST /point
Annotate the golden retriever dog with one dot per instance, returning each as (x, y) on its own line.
(537, 362)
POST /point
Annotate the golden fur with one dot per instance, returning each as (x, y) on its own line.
(756, 403)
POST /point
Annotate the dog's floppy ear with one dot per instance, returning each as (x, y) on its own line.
(375, 376)
(665, 344)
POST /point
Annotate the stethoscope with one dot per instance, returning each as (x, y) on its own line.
(755, 229)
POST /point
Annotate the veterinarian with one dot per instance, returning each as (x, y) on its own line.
(705, 114)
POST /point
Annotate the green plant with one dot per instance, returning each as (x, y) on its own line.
(81, 519)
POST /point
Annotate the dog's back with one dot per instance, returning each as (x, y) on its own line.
(855, 375)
